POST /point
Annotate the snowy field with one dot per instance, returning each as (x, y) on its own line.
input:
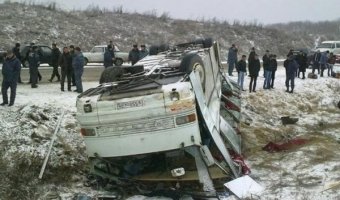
(303, 172)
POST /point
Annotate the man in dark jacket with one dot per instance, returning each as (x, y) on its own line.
(253, 68)
(273, 63)
(78, 68)
(65, 63)
(10, 72)
(71, 49)
(108, 57)
(316, 60)
(16, 51)
(266, 60)
(323, 61)
(143, 52)
(27, 58)
(34, 62)
(54, 62)
(267, 68)
(302, 61)
(330, 64)
(134, 54)
(232, 59)
(291, 66)
(242, 70)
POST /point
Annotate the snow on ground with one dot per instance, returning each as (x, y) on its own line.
(26, 132)
(305, 171)
(300, 173)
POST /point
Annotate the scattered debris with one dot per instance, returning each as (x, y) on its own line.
(240, 161)
(51, 145)
(244, 187)
(276, 147)
(288, 120)
(333, 185)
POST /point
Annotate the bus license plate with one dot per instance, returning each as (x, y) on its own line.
(130, 104)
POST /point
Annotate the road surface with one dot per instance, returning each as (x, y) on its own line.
(91, 73)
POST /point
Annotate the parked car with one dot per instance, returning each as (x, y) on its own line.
(96, 55)
(328, 46)
(45, 53)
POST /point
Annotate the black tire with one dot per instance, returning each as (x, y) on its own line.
(207, 42)
(86, 61)
(153, 50)
(156, 49)
(118, 62)
(194, 62)
(111, 74)
(163, 47)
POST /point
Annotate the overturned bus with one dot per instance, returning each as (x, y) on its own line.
(172, 118)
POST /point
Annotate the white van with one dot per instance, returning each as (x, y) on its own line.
(328, 46)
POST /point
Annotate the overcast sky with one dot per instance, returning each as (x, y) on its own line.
(264, 11)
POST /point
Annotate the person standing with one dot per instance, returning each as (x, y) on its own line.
(134, 54)
(30, 50)
(78, 68)
(16, 51)
(323, 61)
(108, 57)
(242, 70)
(302, 61)
(331, 62)
(10, 72)
(316, 60)
(65, 63)
(143, 52)
(273, 63)
(232, 59)
(253, 68)
(267, 73)
(71, 50)
(54, 62)
(34, 62)
(291, 66)
(266, 60)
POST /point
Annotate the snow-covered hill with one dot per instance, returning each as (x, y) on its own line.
(45, 24)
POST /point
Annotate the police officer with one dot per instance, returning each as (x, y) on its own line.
(65, 62)
(54, 62)
(16, 51)
(108, 57)
(143, 52)
(34, 62)
(10, 71)
(78, 68)
(134, 54)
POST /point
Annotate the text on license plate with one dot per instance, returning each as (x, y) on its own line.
(130, 104)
